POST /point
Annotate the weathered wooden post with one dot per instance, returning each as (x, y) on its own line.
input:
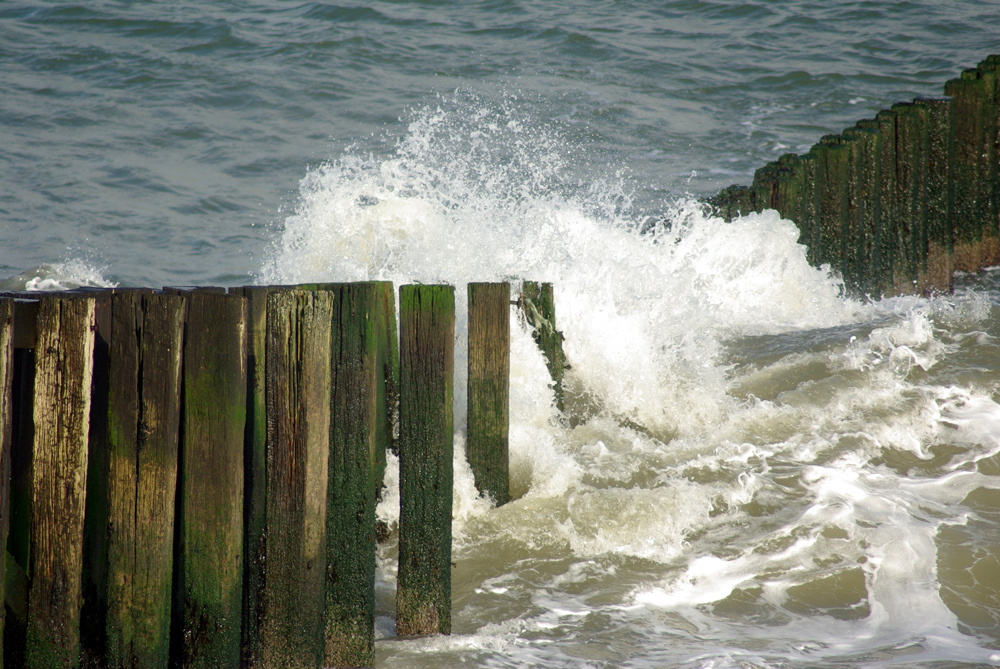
(991, 151)
(143, 418)
(909, 206)
(791, 181)
(885, 246)
(17, 557)
(489, 384)
(969, 171)
(865, 191)
(93, 615)
(6, 399)
(937, 242)
(210, 525)
(254, 474)
(349, 614)
(387, 371)
(63, 372)
(834, 215)
(298, 446)
(765, 187)
(853, 268)
(426, 414)
(540, 311)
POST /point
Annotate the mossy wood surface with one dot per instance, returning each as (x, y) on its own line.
(427, 360)
(6, 398)
(349, 616)
(539, 309)
(387, 372)
(939, 195)
(254, 472)
(915, 197)
(63, 374)
(210, 527)
(488, 388)
(298, 445)
(143, 438)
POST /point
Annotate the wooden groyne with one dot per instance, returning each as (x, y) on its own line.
(897, 203)
(188, 478)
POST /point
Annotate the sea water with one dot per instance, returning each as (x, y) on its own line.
(753, 469)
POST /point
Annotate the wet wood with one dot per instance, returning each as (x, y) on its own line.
(298, 445)
(489, 388)
(356, 377)
(255, 473)
(427, 360)
(143, 439)
(208, 593)
(538, 306)
(61, 412)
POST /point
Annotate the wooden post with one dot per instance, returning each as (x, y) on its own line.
(350, 531)
(791, 182)
(143, 418)
(210, 525)
(298, 445)
(489, 381)
(765, 186)
(93, 615)
(540, 311)
(936, 272)
(885, 246)
(427, 362)
(18, 555)
(387, 372)
(866, 221)
(990, 191)
(909, 207)
(854, 268)
(968, 170)
(834, 215)
(6, 398)
(63, 370)
(255, 474)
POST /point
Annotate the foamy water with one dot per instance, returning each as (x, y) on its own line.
(752, 469)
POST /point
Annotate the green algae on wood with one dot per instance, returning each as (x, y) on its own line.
(143, 438)
(387, 373)
(254, 473)
(208, 589)
(61, 411)
(349, 613)
(539, 310)
(969, 95)
(488, 389)
(298, 443)
(426, 393)
(939, 194)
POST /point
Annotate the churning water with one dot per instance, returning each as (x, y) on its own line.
(752, 470)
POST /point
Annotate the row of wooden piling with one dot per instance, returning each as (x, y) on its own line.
(189, 477)
(897, 203)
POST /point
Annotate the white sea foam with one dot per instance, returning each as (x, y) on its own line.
(682, 475)
(66, 275)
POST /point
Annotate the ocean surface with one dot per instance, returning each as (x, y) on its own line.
(752, 470)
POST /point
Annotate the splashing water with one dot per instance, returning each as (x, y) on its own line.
(752, 468)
